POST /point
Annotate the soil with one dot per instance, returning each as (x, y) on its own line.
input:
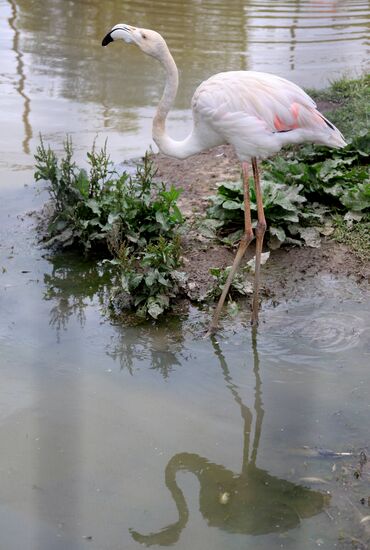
(289, 271)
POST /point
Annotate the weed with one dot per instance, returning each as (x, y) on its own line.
(240, 285)
(134, 219)
(149, 281)
(282, 204)
(87, 207)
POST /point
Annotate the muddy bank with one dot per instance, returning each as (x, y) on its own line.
(288, 270)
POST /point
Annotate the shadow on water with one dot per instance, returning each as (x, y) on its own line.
(251, 502)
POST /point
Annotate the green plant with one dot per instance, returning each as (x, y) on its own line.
(80, 200)
(88, 206)
(356, 235)
(135, 219)
(148, 282)
(299, 191)
(336, 177)
(282, 204)
(240, 285)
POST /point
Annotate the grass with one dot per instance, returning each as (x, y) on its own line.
(356, 237)
(352, 116)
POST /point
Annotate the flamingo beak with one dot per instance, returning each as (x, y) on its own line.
(120, 31)
(107, 39)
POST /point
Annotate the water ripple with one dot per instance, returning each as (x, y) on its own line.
(303, 334)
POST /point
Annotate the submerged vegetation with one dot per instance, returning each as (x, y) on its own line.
(132, 223)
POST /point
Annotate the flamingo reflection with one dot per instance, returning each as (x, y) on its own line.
(251, 502)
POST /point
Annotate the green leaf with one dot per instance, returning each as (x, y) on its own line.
(215, 271)
(177, 216)
(113, 217)
(277, 232)
(231, 205)
(233, 237)
(82, 183)
(136, 279)
(151, 277)
(357, 199)
(93, 205)
(154, 309)
(161, 219)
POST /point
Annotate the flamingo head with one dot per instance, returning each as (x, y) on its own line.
(150, 42)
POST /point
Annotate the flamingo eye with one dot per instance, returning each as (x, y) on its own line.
(143, 35)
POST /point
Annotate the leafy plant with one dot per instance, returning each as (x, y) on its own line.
(149, 281)
(339, 178)
(282, 204)
(88, 205)
(135, 219)
(299, 190)
(239, 285)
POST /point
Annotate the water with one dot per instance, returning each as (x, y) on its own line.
(120, 436)
(113, 437)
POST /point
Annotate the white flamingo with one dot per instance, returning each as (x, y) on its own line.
(257, 113)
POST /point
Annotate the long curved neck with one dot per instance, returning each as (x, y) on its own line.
(168, 146)
(170, 535)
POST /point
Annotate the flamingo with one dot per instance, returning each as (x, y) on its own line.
(257, 113)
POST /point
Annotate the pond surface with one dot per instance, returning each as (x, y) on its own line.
(113, 437)
(117, 437)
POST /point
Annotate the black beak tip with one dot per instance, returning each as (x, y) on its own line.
(107, 39)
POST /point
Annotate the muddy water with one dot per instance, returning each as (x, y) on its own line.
(116, 437)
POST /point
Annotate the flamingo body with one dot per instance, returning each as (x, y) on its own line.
(258, 113)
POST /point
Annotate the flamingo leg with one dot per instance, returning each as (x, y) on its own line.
(243, 245)
(260, 231)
